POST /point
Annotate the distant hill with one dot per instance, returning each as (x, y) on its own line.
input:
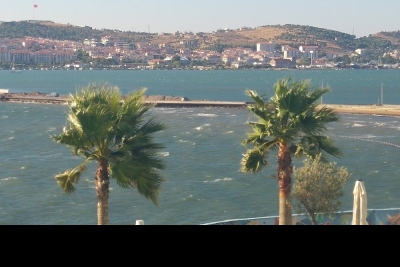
(57, 31)
(294, 35)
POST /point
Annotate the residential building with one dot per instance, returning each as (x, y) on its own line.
(227, 59)
(213, 59)
(121, 45)
(309, 51)
(156, 63)
(266, 47)
(5, 55)
(21, 56)
(282, 63)
(291, 52)
(42, 57)
(62, 57)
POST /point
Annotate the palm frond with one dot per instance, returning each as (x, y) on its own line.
(66, 179)
(260, 102)
(103, 125)
(294, 120)
(312, 146)
(253, 161)
(142, 177)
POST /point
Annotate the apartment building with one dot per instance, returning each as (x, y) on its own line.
(42, 57)
(63, 57)
(282, 63)
(290, 52)
(5, 55)
(266, 47)
(213, 59)
(309, 51)
(20, 56)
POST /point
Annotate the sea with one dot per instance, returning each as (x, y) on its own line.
(202, 182)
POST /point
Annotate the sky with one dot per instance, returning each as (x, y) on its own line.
(358, 17)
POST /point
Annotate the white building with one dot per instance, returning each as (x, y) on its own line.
(42, 57)
(291, 52)
(309, 51)
(361, 51)
(266, 47)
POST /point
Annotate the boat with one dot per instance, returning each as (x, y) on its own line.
(13, 69)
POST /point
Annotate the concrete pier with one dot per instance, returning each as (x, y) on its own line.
(163, 103)
(385, 110)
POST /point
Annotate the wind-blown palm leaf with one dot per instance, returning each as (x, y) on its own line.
(66, 179)
(260, 102)
(137, 175)
(293, 126)
(104, 127)
(254, 160)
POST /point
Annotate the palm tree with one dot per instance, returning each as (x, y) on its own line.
(291, 124)
(115, 132)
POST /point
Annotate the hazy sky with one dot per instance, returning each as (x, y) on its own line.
(361, 17)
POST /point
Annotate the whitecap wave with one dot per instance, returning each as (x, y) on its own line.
(202, 127)
(164, 154)
(366, 136)
(207, 115)
(226, 179)
(186, 141)
(229, 132)
(358, 125)
(168, 111)
(188, 197)
(9, 178)
(4, 117)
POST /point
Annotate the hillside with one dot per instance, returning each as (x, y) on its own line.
(294, 35)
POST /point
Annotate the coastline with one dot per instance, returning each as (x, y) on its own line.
(384, 110)
(183, 102)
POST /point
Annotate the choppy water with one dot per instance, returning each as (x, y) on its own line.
(347, 86)
(202, 154)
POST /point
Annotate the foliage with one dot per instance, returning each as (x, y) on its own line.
(319, 186)
(117, 133)
(290, 117)
(291, 124)
(48, 29)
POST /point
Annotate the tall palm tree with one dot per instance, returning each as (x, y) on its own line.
(116, 132)
(292, 124)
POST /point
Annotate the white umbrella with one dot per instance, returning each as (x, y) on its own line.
(360, 204)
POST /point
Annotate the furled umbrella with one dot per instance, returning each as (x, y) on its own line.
(360, 204)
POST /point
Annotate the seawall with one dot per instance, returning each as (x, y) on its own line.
(164, 102)
(43, 99)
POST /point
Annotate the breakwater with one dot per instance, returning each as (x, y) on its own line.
(185, 103)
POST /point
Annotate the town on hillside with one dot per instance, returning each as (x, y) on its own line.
(109, 52)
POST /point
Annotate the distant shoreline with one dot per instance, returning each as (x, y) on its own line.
(183, 102)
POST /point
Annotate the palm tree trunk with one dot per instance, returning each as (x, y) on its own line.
(102, 182)
(285, 184)
(312, 216)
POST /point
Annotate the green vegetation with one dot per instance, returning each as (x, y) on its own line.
(318, 187)
(22, 29)
(292, 125)
(116, 133)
